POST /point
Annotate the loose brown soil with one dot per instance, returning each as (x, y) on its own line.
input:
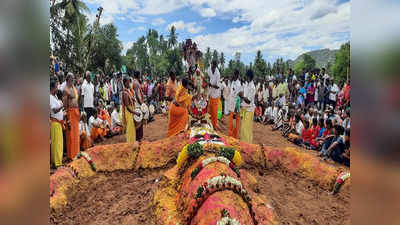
(124, 197)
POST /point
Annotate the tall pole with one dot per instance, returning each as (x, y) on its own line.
(348, 67)
(96, 25)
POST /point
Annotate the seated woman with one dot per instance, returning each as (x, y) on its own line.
(325, 133)
(84, 132)
(306, 134)
(179, 114)
(315, 129)
(97, 127)
(290, 125)
(295, 134)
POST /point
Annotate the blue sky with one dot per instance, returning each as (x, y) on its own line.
(284, 28)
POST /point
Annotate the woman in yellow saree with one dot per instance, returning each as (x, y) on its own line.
(128, 108)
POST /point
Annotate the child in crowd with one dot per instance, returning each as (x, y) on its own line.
(84, 132)
(258, 113)
(267, 118)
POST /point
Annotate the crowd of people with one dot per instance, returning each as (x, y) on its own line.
(89, 108)
(310, 110)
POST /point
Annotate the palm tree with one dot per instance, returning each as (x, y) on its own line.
(172, 37)
(222, 61)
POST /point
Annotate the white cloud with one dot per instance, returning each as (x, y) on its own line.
(156, 7)
(158, 22)
(134, 29)
(126, 45)
(192, 27)
(277, 29)
(207, 12)
(284, 28)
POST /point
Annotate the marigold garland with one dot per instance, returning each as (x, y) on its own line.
(182, 157)
(339, 181)
(88, 159)
(194, 150)
(230, 154)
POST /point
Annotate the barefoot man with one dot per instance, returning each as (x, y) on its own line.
(215, 93)
(70, 99)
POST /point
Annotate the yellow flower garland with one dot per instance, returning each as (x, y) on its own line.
(237, 159)
(182, 157)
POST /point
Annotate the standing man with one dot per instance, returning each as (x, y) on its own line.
(225, 95)
(70, 99)
(215, 93)
(137, 92)
(333, 90)
(233, 104)
(56, 131)
(247, 111)
(88, 96)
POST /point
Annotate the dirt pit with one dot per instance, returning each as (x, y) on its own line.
(124, 197)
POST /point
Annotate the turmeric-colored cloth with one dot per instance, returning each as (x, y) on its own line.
(97, 132)
(73, 132)
(182, 97)
(213, 110)
(85, 140)
(179, 115)
(57, 146)
(127, 119)
(233, 130)
(105, 116)
(246, 126)
(293, 137)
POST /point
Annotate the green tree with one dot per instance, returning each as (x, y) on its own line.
(222, 61)
(215, 56)
(107, 47)
(309, 62)
(172, 37)
(207, 58)
(259, 65)
(68, 29)
(342, 63)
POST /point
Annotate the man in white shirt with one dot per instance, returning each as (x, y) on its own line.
(56, 133)
(247, 108)
(225, 95)
(214, 92)
(88, 96)
(333, 90)
(115, 121)
(233, 106)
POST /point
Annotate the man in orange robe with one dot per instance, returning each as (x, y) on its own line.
(179, 114)
(215, 93)
(70, 99)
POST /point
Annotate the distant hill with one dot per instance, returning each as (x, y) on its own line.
(321, 57)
